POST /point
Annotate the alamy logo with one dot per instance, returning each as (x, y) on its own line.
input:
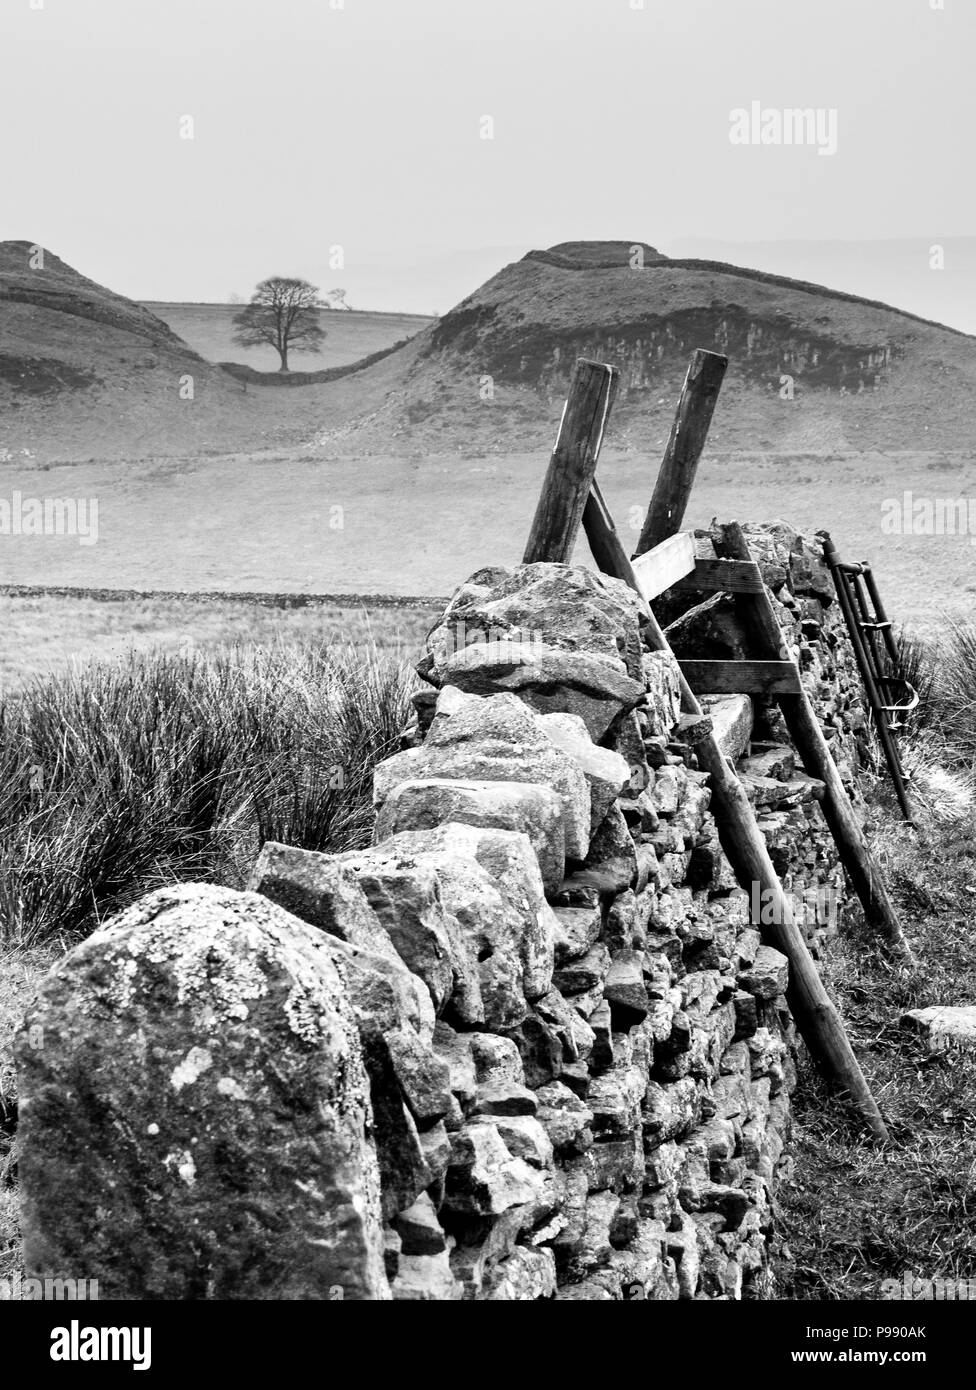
(77, 1343)
(18, 1289)
(500, 644)
(909, 515)
(914, 1287)
(790, 125)
(50, 516)
(817, 907)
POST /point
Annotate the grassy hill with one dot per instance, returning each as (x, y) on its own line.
(85, 373)
(494, 371)
(88, 374)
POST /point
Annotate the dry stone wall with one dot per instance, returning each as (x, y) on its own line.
(526, 1045)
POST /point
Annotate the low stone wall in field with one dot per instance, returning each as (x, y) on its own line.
(529, 1044)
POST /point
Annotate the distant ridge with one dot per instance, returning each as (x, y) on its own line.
(595, 255)
(153, 304)
(811, 369)
(567, 259)
(86, 373)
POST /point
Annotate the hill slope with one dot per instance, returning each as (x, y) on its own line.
(84, 371)
(493, 372)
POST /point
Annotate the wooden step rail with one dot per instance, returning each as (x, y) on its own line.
(741, 677)
(722, 576)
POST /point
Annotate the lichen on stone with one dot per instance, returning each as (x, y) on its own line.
(194, 1064)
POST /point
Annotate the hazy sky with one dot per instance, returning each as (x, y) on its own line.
(359, 125)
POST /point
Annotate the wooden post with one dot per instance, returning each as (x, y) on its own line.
(805, 730)
(813, 1010)
(692, 418)
(573, 463)
(605, 543)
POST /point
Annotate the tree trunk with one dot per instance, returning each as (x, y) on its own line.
(283, 354)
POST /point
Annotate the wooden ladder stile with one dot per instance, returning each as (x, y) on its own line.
(814, 1012)
(735, 572)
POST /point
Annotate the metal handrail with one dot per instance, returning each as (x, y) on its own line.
(860, 603)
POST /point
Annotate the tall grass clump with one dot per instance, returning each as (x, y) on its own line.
(939, 740)
(115, 779)
(918, 663)
(956, 690)
(943, 671)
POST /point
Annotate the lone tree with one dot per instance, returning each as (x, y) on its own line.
(284, 313)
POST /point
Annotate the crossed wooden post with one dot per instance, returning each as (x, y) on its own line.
(692, 418)
(571, 496)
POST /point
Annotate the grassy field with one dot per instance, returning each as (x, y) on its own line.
(350, 335)
(117, 778)
(410, 524)
(44, 635)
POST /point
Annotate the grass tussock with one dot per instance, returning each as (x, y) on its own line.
(117, 778)
(943, 671)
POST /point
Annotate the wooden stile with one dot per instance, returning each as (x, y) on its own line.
(693, 416)
(813, 1010)
(560, 510)
(745, 583)
(605, 544)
